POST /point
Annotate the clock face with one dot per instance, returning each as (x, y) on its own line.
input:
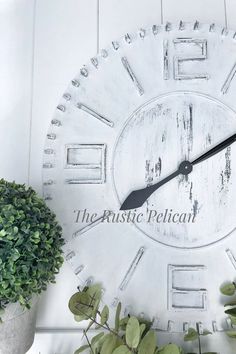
(148, 102)
(163, 132)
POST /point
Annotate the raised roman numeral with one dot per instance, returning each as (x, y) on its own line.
(132, 268)
(228, 80)
(87, 161)
(95, 114)
(132, 75)
(191, 47)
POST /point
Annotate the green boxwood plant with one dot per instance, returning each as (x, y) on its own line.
(30, 244)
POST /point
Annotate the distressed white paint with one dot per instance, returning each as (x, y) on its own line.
(207, 11)
(64, 40)
(16, 35)
(117, 17)
(179, 126)
(230, 13)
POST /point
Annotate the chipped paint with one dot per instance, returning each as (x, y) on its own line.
(227, 171)
(195, 208)
(191, 191)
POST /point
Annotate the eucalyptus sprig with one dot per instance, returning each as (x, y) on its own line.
(193, 335)
(129, 334)
(229, 289)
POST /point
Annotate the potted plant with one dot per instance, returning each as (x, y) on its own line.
(30, 256)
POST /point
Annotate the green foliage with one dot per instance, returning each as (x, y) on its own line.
(30, 244)
(130, 334)
(191, 335)
(229, 289)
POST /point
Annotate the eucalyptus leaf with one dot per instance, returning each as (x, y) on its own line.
(231, 334)
(123, 323)
(228, 289)
(110, 343)
(81, 349)
(142, 329)
(233, 320)
(231, 312)
(122, 349)
(104, 315)
(191, 335)
(170, 349)
(117, 317)
(231, 303)
(95, 339)
(132, 333)
(89, 325)
(206, 332)
(148, 343)
(79, 305)
(95, 305)
(94, 291)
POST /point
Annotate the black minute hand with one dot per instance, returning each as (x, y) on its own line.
(136, 198)
(215, 149)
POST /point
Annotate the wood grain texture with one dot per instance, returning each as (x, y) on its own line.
(207, 11)
(65, 37)
(118, 17)
(231, 13)
(16, 32)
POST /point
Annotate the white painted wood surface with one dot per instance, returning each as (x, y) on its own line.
(16, 35)
(207, 11)
(39, 55)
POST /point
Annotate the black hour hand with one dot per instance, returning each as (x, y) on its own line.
(137, 198)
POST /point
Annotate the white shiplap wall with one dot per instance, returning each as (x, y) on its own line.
(43, 44)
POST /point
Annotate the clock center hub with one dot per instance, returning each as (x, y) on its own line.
(185, 168)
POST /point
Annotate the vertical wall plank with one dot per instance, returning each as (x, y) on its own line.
(208, 11)
(231, 13)
(118, 17)
(16, 33)
(65, 37)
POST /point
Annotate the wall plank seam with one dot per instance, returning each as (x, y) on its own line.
(98, 25)
(31, 90)
(225, 9)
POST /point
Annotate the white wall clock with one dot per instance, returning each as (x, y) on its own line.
(155, 98)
